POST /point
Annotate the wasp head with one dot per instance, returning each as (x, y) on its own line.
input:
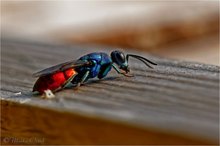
(119, 58)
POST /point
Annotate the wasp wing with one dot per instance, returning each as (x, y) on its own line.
(61, 67)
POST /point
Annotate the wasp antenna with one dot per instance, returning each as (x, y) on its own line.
(144, 62)
(141, 59)
(136, 56)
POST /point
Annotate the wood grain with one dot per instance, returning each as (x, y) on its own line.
(175, 103)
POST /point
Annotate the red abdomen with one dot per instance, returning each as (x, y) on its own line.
(53, 81)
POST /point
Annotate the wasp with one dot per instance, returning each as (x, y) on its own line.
(89, 66)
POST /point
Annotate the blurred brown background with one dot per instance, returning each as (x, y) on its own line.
(181, 30)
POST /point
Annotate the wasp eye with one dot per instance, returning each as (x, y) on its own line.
(118, 57)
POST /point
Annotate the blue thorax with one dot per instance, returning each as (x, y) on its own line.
(102, 65)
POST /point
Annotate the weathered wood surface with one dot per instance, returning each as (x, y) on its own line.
(175, 103)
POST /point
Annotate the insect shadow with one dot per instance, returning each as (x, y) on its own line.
(94, 81)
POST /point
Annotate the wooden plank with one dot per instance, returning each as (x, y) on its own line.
(175, 103)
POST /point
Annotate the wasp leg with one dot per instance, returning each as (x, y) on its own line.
(119, 72)
(66, 84)
(117, 69)
(68, 81)
(83, 79)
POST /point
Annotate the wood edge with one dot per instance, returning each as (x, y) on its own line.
(55, 127)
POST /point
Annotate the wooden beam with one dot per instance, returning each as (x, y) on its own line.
(175, 103)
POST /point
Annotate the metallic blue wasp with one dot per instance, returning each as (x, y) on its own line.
(79, 71)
